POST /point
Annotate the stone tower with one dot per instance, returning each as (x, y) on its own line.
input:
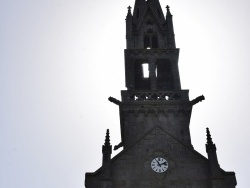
(155, 115)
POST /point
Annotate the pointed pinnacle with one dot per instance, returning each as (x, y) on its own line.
(209, 139)
(168, 10)
(129, 12)
(107, 139)
(210, 146)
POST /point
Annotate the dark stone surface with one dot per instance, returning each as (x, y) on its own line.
(155, 115)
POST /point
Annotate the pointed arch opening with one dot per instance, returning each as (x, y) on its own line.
(150, 39)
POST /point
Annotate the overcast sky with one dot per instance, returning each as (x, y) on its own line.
(60, 60)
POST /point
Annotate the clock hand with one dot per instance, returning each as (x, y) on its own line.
(158, 163)
(164, 163)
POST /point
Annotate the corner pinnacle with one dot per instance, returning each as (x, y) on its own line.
(209, 139)
(210, 145)
(107, 139)
(168, 11)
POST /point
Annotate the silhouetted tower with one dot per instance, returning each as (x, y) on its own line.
(155, 115)
(152, 76)
(151, 58)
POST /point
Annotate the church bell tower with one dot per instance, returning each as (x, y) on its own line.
(155, 115)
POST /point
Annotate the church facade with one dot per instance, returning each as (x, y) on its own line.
(155, 115)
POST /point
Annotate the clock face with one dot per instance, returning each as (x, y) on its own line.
(159, 164)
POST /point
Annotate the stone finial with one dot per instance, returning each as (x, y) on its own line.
(168, 11)
(129, 15)
(129, 11)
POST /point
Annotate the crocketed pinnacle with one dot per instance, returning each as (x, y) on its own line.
(210, 145)
(209, 139)
(107, 139)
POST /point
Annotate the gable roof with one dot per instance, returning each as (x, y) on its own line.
(157, 127)
(150, 8)
(124, 151)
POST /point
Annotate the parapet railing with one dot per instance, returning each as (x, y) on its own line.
(129, 96)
